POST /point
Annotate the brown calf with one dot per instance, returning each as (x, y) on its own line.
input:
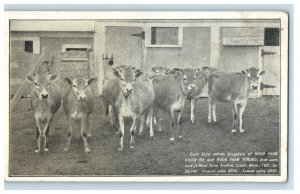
(45, 101)
(135, 100)
(78, 104)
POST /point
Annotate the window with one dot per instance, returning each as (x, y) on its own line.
(164, 37)
(29, 46)
(76, 47)
(272, 36)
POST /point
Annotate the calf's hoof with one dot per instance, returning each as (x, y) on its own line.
(37, 150)
(180, 137)
(171, 139)
(208, 120)
(193, 120)
(87, 150)
(233, 131)
(89, 135)
(46, 150)
(132, 145)
(66, 150)
(120, 149)
(151, 138)
(242, 130)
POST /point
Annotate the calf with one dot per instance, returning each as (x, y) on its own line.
(231, 88)
(110, 93)
(45, 101)
(111, 90)
(135, 100)
(200, 81)
(171, 92)
(78, 104)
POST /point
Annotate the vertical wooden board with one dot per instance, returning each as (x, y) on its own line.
(99, 49)
(238, 58)
(127, 49)
(271, 64)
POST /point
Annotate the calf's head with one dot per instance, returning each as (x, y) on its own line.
(79, 86)
(252, 75)
(42, 82)
(160, 70)
(188, 77)
(127, 77)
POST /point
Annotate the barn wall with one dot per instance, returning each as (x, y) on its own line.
(56, 43)
(195, 51)
(21, 62)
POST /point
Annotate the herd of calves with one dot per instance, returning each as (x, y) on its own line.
(137, 95)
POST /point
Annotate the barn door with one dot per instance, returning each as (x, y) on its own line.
(271, 64)
(125, 43)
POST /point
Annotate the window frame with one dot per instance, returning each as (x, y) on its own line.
(149, 37)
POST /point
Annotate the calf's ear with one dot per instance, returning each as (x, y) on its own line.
(53, 78)
(154, 69)
(169, 71)
(91, 81)
(68, 81)
(244, 73)
(262, 72)
(30, 77)
(197, 72)
(116, 71)
(138, 73)
(178, 72)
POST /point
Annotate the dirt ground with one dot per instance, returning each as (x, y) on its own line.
(157, 157)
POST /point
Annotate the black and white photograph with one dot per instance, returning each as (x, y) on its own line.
(147, 96)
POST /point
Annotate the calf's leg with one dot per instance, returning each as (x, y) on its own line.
(38, 134)
(192, 110)
(142, 120)
(150, 116)
(121, 132)
(89, 134)
(209, 109)
(69, 135)
(133, 129)
(111, 114)
(172, 125)
(241, 112)
(179, 122)
(235, 116)
(116, 116)
(83, 131)
(213, 107)
(45, 133)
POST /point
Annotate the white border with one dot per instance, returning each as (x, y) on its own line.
(164, 15)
